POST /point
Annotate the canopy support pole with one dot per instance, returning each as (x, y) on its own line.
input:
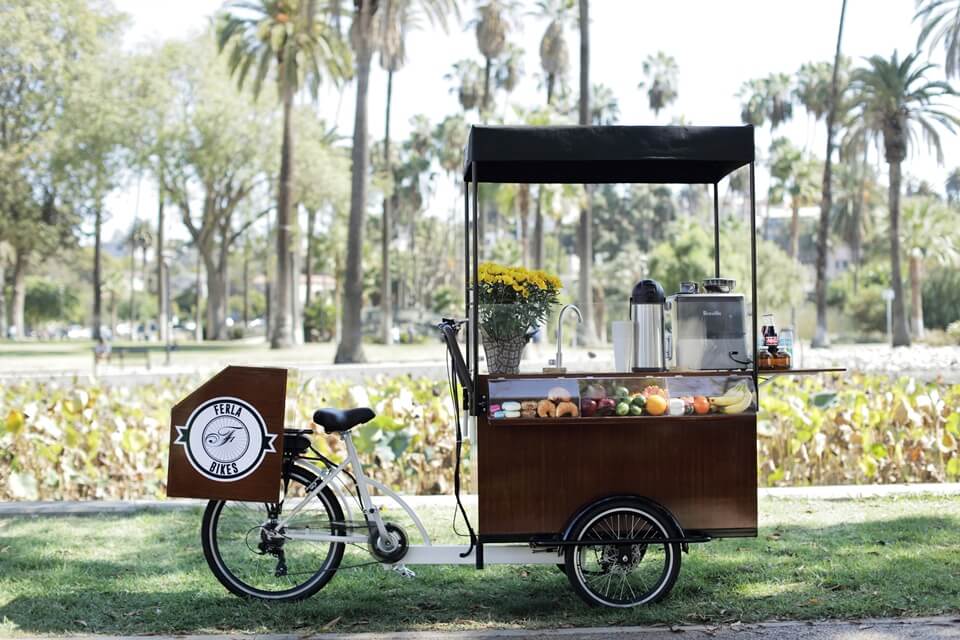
(753, 273)
(475, 317)
(716, 231)
(468, 393)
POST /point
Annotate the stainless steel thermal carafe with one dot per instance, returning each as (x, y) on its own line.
(646, 312)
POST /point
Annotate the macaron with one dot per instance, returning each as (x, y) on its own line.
(511, 405)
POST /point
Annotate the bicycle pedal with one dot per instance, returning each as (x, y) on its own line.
(403, 570)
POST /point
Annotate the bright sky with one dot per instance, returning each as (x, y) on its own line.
(717, 45)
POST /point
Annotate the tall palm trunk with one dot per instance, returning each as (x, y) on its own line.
(916, 293)
(794, 229)
(551, 80)
(162, 310)
(20, 285)
(386, 310)
(485, 102)
(97, 274)
(523, 203)
(350, 348)
(3, 300)
(820, 338)
(901, 337)
(282, 320)
(858, 220)
(308, 268)
(587, 329)
(131, 313)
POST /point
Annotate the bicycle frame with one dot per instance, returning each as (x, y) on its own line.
(426, 553)
(363, 484)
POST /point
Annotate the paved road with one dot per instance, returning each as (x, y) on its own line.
(939, 628)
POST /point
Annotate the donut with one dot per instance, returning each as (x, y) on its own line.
(529, 413)
(558, 394)
(528, 405)
(567, 409)
(546, 409)
(511, 405)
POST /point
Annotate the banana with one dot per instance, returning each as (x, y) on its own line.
(741, 406)
(726, 400)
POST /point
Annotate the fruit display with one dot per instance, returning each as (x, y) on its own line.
(737, 399)
(557, 398)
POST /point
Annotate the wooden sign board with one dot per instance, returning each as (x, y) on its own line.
(226, 438)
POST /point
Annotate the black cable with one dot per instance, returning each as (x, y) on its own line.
(455, 397)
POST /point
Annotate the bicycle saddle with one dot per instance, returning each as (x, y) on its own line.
(335, 420)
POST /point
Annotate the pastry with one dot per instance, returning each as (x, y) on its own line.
(558, 394)
(529, 413)
(546, 409)
(567, 409)
(528, 405)
(511, 405)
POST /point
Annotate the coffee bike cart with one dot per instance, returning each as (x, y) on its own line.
(612, 500)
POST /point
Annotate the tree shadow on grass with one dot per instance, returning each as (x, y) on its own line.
(901, 566)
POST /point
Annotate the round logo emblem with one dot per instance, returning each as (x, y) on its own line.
(225, 439)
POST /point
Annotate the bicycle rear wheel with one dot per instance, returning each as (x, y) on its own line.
(251, 559)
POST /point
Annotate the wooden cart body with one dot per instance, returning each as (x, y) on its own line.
(535, 476)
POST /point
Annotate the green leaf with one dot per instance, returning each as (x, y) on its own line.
(878, 451)
(953, 467)
(953, 423)
(22, 486)
(14, 422)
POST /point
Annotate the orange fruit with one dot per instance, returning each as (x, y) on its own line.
(701, 405)
(656, 405)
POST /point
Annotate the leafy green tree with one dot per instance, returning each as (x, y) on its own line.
(604, 106)
(857, 198)
(294, 38)
(216, 150)
(661, 73)
(398, 18)
(321, 187)
(941, 25)
(48, 300)
(794, 179)
(895, 100)
(929, 237)
(952, 186)
(45, 53)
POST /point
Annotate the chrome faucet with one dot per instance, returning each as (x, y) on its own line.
(559, 361)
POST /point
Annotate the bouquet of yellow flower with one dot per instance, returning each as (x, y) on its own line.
(514, 301)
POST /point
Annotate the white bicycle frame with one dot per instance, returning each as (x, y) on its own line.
(426, 553)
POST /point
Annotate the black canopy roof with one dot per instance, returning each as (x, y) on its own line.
(592, 155)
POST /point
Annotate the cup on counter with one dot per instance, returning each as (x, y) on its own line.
(622, 345)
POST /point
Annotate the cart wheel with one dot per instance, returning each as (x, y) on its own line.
(622, 575)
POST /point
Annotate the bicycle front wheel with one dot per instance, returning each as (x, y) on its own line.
(251, 558)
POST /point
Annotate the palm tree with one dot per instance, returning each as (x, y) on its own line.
(604, 107)
(304, 48)
(367, 35)
(554, 53)
(857, 197)
(765, 100)
(588, 331)
(491, 27)
(468, 81)
(952, 186)
(926, 221)
(661, 81)
(793, 175)
(941, 23)
(398, 18)
(896, 101)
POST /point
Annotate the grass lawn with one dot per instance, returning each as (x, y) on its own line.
(77, 355)
(813, 559)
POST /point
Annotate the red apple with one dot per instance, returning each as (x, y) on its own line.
(606, 407)
(588, 407)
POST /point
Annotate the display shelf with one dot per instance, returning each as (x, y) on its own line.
(611, 420)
